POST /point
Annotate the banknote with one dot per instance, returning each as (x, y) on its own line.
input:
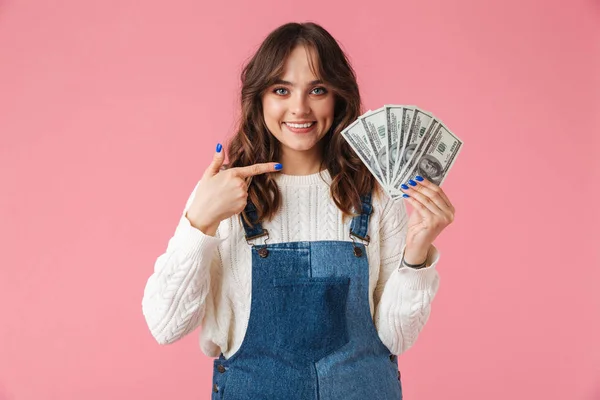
(398, 121)
(393, 119)
(418, 126)
(356, 136)
(375, 126)
(437, 156)
(420, 140)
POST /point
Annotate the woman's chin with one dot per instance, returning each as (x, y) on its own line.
(300, 145)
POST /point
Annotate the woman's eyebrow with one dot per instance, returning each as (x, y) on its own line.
(288, 83)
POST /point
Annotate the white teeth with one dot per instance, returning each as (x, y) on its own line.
(307, 125)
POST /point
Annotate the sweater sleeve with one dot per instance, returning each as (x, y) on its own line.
(174, 299)
(404, 294)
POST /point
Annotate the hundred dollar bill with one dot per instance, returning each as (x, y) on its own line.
(392, 136)
(437, 157)
(418, 125)
(357, 138)
(398, 120)
(374, 124)
(420, 139)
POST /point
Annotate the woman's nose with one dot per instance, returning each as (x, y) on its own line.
(300, 105)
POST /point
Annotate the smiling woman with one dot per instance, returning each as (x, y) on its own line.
(307, 280)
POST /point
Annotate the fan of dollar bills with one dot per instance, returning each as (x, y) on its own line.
(397, 143)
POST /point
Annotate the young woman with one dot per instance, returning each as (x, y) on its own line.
(306, 278)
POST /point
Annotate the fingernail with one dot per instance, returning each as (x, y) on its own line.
(419, 178)
(403, 186)
(219, 147)
(405, 195)
(278, 167)
(412, 183)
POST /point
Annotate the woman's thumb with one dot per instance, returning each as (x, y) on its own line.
(217, 162)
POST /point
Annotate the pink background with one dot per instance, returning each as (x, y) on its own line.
(110, 111)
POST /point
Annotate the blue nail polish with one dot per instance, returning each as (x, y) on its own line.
(405, 196)
(412, 183)
(403, 186)
(278, 167)
(219, 147)
(419, 178)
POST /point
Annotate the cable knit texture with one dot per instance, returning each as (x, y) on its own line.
(202, 280)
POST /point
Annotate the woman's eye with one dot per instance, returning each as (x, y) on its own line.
(284, 92)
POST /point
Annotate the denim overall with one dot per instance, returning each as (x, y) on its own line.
(310, 333)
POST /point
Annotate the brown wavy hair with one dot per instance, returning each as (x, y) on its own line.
(253, 143)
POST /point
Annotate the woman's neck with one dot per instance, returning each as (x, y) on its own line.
(300, 162)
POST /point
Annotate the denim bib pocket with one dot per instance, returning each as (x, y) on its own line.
(310, 315)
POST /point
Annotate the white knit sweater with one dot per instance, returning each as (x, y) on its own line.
(202, 280)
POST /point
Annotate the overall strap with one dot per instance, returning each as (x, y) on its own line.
(360, 224)
(256, 230)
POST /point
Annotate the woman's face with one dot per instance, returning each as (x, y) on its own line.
(298, 110)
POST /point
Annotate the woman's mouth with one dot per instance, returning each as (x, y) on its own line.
(300, 128)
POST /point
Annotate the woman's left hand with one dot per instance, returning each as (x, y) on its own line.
(432, 213)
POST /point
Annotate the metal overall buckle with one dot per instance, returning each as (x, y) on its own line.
(364, 240)
(263, 252)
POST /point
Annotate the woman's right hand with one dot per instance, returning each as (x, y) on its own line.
(222, 193)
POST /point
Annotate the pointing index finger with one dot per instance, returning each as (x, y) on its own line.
(256, 169)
